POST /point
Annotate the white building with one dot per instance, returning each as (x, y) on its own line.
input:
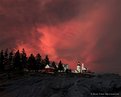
(65, 67)
(83, 68)
(80, 68)
(47, 66)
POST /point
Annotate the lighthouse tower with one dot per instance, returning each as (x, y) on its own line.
(78, 67)
(83, 69)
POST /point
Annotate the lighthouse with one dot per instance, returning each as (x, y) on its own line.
(80, 68)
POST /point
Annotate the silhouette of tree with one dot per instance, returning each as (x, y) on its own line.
(38, 61)
(6, 54)
(60, 67)
(24, 59)
(31, 62)
(54, 66)
(10, 58)
(1, 61)
(43, 64)
(47, 60)
(6, 61)
(17, 62)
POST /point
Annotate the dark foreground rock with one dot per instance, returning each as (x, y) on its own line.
(107, 85)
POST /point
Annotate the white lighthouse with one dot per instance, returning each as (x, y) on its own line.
(80, 68)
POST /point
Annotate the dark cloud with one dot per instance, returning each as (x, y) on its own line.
(18, 18)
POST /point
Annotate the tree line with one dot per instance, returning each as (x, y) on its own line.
(19, 61)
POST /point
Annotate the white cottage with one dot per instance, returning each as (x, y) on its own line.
(48, 69)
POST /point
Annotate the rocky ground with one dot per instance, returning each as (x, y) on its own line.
(106, 85)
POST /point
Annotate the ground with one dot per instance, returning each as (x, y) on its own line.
(48, 85)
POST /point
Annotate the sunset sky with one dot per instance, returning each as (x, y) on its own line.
(69, 30)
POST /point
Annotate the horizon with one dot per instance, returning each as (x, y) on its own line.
(14, 51)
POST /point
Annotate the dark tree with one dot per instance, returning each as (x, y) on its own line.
(9, 63)
(60, 67)
(43, 64)
(10, 58)
(31, 62)
(47, 60)
(17, 61)
(54, 66)
(6, 61)
(24, 59)
(38, 61)
(6, 54)
(1, 61)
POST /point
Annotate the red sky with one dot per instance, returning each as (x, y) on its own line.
(67, 30)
